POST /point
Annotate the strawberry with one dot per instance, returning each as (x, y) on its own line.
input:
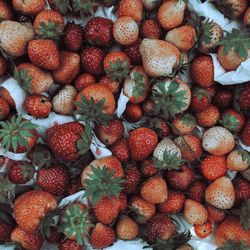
(215, 214)
(141, 209)
(180, 179)
(67, 244)
(133, 113)
(65, 140)
(190, 147)
(33, 79)
(132, 179)
(194, 212)
(148, 169)
(98, 32)
(49, 24)
(174, 203)
(101, 236)
(29, 241)
(54, 236)
(244, 98)
(136, 86)
(220, 193)
(148, 107)
(20, 172)
(84, 80)
(64, 101)
(44, 53)
(201, 100)
(31, 207)
(208, 117)
(160, 126)
(229, 53)
(113, 86)
(159, 57)
(15, 37)
(133, 52)
(121, 150)
(245, 134)
(6, 13)
(68, 69)
(74, 186)
(183, 124)
(4, 109)
(202, 71)
(31, 7)
(125, 31)
(5, 230)
(213, 167)
(196, 191)
(38, 106)
(151, 29)
(126, 228)
(171, 13)
(238, 160)
(203, 230)
(142, 141)
(150, 4)
(161, 226)
(242, 190)
(54, 179)
(232, 8)
(223, 144)
(231, 229)
(130, 8)
(182, 37)
(92, 60)
(73, 37)
(109, 134)
(3, 66)
(246, 17)
(223, 99)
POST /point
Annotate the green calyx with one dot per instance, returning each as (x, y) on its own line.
(170, 160)
(245, 215)
(244, 155)
(83, 144)
(200, 93)
(168, 102)
(62, 6)
(85, 8)
(138, 89)
(233, 245)
(49, 30)
(75, 221)
(27, 170)
(15, 133)
(41, 156)
(102, 183)
(92, 111)
(23, 79)
(47, 222)
(5, 187)
(230, 122)
(238, 41)
(188, 120)
(118, 70)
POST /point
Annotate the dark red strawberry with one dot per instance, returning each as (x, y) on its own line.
(242, 190)
(121, 150)
(150, 28)
(74, 186)
(67, 244)
(201, 99)
(196, 191)
(133, 113)
(148, 169)
(244, 99)
(5, 230)
(160, 126)
(98, 32)
(133, 52)
(223, 99)
(54, 179)
(54, 236)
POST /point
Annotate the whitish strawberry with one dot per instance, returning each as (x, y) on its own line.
(238, 160)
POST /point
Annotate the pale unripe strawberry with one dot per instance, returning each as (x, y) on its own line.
(238, 160)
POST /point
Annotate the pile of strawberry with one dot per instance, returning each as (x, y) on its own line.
(174, 149)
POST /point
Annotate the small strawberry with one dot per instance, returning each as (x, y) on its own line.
(44, 53)
(148, 169)
(66, 244)
(20, 172)
(38, 106)
(92, 60)
(3, 66)
(213, 167)
(6, 13)
(223, 99)
(202, 71)
(73, 37)
(184, 124)
(54, 179)
(109, 134)
(83, 81)
(203, 230)
(130, 8)
(31, 7)
(196, 191)
(142, 141)
(121, 150)
(174, 203)
(242, 190)
(127, 228)
(194, 212)
(150, 28)
(133, 113)
(74, 186)
(220, 193)
(215, 214)
(245, 134)
(101, 236)
(133, 52)
(113, 86)
(238, 160)
(132, 179)
(98, 32)
(160, 126)
(4, 109)
(201, 100)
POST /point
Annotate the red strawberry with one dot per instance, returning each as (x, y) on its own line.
(92, 60)
(148, 169)
(54, 179)
(201, 99)
(4, 109)
(6, 12)
(38, 106)
(242, 190)
(109, 134)
(101, 236)
(98, 32)
(180, 179)
(174, 203)
(133, 113)
(133, 52)
(160, 126)
(3, 66)
(73, 37)
(5, 230)
(121, 150)
(196, 191)
(215, 214)
(208, 117)
(30, 7)
(84, 80)
(132, 180)
(113, 86)
(74, 186)
(223, 99)
(150, 28)
(245, 134)
(244, 99)
(131, 8)
(67, 244)
(20, 172)
(127, 228)
(203, 230)
(142, 142)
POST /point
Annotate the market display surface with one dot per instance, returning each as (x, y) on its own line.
(124, 125)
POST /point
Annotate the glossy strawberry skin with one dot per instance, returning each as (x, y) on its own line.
(121, 150)
(148, 169)
(223, 99)
(244, 100)
(196, 191)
